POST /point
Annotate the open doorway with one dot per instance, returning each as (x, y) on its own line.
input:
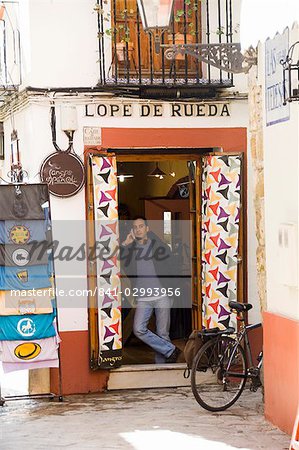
(208, 188)
(158, 191)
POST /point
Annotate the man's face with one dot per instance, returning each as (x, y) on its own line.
(140, 229)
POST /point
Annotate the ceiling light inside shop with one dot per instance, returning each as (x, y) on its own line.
(157, 172)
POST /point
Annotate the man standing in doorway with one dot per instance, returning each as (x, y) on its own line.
(147, 262)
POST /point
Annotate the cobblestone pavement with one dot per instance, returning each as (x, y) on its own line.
(141, 420)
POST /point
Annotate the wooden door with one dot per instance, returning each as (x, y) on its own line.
(222, 240)
(223, 280)
(140, 47)
(195, 224)
(104, 274)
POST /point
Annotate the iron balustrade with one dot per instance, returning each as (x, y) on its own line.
(128, 60)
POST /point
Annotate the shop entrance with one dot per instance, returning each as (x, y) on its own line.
(160, 192)
(194, 185)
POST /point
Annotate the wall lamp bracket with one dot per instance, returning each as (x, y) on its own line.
(227, 56)
(290, 75)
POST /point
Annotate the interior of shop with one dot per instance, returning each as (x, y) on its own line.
(159, 191)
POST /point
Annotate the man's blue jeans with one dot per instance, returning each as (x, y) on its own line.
(160, 340)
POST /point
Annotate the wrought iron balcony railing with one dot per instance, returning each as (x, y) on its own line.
(129, 63)
(10, 52)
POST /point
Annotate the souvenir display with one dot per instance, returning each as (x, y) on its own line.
(34, 301)
(27, 327)
(34, 350)
(18, 278)
(23, 201)
(23, 232)
(28, 331)
(24, 255)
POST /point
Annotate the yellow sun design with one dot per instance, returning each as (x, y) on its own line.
(19, 234)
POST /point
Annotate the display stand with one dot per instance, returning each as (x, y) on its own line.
(50, 395)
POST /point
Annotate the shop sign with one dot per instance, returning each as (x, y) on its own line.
(150, 109)
(64, 173)
(92, 136)
(275, 51)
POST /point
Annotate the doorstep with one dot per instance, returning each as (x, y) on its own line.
(141, 376)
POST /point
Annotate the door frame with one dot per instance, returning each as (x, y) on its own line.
(148, 154)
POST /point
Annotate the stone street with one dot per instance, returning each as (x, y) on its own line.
(140, 420)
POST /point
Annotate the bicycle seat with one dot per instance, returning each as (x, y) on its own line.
(240, 307)
(210, 331)
(216, 331)
(229, 330)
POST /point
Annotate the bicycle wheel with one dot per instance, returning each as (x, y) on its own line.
(219, 373)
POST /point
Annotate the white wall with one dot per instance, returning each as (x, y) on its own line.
(254, 314)
(262, 19)
(281, 146)
(59, 42)
(33, 124)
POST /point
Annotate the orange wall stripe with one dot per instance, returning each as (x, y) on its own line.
(281, 370)
(230, 139)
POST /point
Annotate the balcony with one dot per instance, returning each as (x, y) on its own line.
(129, 64)
(10, 51)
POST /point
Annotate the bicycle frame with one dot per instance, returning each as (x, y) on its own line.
(247, 343)
(243, 334)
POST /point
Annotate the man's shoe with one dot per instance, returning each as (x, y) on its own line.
(174, 356)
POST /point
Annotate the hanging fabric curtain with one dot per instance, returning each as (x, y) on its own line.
(221, 191)
(108, 265)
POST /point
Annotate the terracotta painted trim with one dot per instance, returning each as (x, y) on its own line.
(230, 139)
(77, 377)
(281, 370)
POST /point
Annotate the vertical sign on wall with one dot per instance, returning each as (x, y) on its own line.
(275, 50)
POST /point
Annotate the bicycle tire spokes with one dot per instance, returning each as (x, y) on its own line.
(219, 374)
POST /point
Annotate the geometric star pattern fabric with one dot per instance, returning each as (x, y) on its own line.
(108, 265)
(221, 191)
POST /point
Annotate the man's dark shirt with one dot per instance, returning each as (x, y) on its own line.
(158, 252)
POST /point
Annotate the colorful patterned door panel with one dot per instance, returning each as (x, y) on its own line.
(108, 266)
(221, 191)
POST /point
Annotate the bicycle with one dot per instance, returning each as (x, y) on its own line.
(222, 366)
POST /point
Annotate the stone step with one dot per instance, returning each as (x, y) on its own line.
(148, 376)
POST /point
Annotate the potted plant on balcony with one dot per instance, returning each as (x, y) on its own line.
(124, 48)
(186, 37)
(120, 34)
(179, 38)
(121, 50)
